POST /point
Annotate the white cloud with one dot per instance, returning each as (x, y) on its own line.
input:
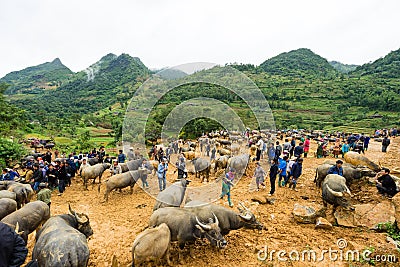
(168, 33)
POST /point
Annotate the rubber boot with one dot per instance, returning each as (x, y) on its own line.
(230, 202)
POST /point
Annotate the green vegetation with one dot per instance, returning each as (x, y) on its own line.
(386, 67)
(33, 80)
(12, 119)
(303, 90)
(12, 123)
(343, 68)
(299, 63)
(391, 229)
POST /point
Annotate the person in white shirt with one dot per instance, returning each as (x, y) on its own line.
(260, 146)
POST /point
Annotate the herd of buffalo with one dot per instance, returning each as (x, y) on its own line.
(61, 240)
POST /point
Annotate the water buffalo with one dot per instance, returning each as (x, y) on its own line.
(186, 227)
(7, 194)
(29, 217)
(201, 168)
(189, 155)
(349, 172)
(224, 142)
(23, 192)
(123, 180)
(131, 165)
(239, 163)
(172, 196)
(92, 172)
(49, 145)
(224, 152)
(235, 148)
(335, 191)
(360, 160)
(7, 206)
(93, 161)
(187, 149)
(152, 244)
(62, 241)
(221, 163)
(228, 219)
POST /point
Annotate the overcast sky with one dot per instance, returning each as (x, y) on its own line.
(168, 33)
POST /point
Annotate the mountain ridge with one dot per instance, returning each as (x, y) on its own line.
(298, 63)
(48, 75)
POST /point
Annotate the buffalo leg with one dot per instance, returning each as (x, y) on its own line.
(106, 195)
(167, 257)
(98, 188)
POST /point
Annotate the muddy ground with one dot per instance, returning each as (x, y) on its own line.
(118, 222)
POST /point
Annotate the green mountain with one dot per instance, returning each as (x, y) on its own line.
(49, 75)
(110, 80)
(386, 67)
(298, 63)
(343, 68)
(302, 89)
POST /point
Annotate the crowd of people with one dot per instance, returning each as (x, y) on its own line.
(54, 173)
(285, 161)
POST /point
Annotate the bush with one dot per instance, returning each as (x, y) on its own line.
(10, 152)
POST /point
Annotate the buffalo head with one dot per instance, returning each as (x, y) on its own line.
(212, 232)
(248, 218)
(83, 222)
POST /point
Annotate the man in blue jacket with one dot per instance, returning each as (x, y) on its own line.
(282, 171)
(336, 169)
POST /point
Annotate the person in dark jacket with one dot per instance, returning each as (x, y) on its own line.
(292, 146)
(336, 169)
(121, 157)
(62, 178)
(298, 150)
(13, 250)
(52, 177)
(385, 143)
(37, 177)
(273, 172)
(101, 154)
(296, 173)
(385, 183)
(69, 170)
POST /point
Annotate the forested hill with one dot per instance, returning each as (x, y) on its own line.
(299, 63)
(48, 75)
(110, 80)
(343, 68)
(386, 67)
(302, 88)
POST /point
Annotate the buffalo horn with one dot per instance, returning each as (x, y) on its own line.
(335, 193)
(246, 217)
(348, 190)
(216, 219)
(204, 226)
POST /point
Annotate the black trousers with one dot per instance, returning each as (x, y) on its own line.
(258, 154)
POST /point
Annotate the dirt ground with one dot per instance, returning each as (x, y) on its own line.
(118, 222)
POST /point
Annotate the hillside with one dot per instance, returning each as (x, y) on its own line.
(299, 63)
(343, 68)
(300, 97)
(112, 79)
(49, 75)
(386, 67)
